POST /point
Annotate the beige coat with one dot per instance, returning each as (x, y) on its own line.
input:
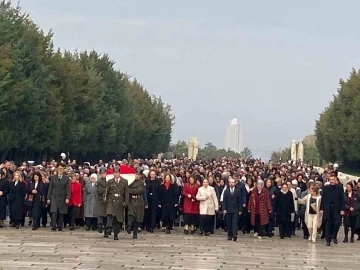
(208, 200)
(306, 201)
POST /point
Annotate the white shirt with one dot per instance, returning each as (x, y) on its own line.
(222, 194)
(36, 185)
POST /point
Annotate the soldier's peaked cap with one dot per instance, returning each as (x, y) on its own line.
(102, 170)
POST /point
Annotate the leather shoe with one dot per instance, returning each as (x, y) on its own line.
(116, 236)
(151, 230)
(335, 241)
(328, 244)
(229, 238)
(134, 236)
(235, 238)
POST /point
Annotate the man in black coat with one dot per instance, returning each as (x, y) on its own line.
(232, 205)
(58, 197)
(152, 192)
(332, 207)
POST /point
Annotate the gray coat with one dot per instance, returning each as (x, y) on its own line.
(90, 200)
(59, 191)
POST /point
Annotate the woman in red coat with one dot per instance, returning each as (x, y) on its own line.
(259, 208)
(191, 205)
(75, 200)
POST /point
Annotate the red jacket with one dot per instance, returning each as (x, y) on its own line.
(191, 205)
(75, 194)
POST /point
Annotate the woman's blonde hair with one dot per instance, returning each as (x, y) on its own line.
(19, 173)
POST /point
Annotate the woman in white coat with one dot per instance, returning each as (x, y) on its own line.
(209, 205)
(313, 218)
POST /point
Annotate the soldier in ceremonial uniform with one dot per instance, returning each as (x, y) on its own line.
(136, 204)
(117, 201)
(101, 190)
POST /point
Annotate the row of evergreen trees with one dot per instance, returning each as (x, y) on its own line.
(52, 102)
(338, 129)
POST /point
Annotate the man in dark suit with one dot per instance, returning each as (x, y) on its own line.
(332, 207)
(58, 197)
(241, 186)
(232, 203)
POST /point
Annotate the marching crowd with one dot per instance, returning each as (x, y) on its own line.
(202, 196)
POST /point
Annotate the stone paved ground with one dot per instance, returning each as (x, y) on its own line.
(43, 249)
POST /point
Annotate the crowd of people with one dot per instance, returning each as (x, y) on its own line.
(201, 196)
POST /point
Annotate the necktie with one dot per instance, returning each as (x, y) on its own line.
(232, 190)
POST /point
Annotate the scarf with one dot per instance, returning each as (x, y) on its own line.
(167, 185)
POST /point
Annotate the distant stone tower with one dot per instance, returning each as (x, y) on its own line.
(300, 151)
(193, 148)
(297, 151)
(293, 150)
(196, 149)
(190, 148)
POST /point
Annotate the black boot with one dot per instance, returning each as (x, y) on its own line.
(106, 232)
(116, 236)
(346, 239)
(135, 231)
(100, 228)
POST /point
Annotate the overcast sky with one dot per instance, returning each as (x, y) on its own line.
(272, 64)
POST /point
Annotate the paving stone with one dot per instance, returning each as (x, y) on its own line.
(79, 249)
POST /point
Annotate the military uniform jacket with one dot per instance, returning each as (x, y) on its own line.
(117, 198)
(59, 191)
(136, 200)
(101, 186)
